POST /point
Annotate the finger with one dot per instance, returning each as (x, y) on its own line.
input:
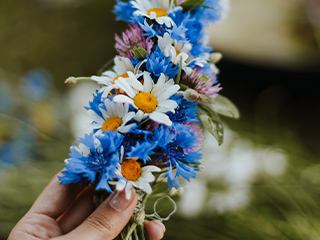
(154, 229)
(108, 220)
(55, 198)
(79, 210)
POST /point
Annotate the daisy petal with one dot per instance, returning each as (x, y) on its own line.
(120, 109)
(123, 99)
(139, 116)
(126, 118)
(160, 118)
(125, 86)
(170, 91)
(147, 82)
(128, 190)
(95, 117)
(144, 185)
(125, 129)
(151, 168)
(121, 185)
(105, 114)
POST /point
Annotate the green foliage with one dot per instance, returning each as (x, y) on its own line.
(140, 53)
(209, 116)
(190, 5)
(179, 72)
(183, 87)
(223, 106)
(211, 121)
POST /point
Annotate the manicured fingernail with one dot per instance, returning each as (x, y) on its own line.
(119, 202)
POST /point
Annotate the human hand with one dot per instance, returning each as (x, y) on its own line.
(67, 212)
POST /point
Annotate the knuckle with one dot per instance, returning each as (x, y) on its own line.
(100, 223)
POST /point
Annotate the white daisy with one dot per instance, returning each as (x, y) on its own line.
(122, 66)
(157, 10)
(131, 174)
(115, 117)
(180, 51)
(150, 99)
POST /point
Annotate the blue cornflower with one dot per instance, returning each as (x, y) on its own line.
(137, 145)
(94, 161)
(150, 30)
(181, 19)
(199, 49)
(96, 103)
(124, 11)
(177, 33)
(207, 69)
(185, 112)
(158, 63)
(212, 10)
(173, 149)
(141, 150)
(195, 31)
(196, 22)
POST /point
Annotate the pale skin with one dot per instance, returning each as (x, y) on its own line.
(67, 212)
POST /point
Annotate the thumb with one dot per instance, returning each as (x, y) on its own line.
(107, 221)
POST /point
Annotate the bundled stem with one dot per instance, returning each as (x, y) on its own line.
(135, 227)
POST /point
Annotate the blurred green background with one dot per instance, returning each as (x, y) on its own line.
(263, 183)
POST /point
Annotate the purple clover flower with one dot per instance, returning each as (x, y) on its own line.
(131, 40)
(202, 83)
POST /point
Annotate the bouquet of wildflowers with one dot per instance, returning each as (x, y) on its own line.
(155, 98)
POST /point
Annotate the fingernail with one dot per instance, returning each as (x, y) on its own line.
(119, 202)
(160, 224)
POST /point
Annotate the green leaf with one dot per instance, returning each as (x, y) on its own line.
(140, 53)
(223, 106)
(204, 6)
(107, 66)
(179, 72)
(190, 5)
(183, 87)
(204, 97)
(211, 121)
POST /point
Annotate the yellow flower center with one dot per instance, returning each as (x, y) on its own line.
(117, 91)
(131, 170)
(177, 53)
(146, 102)
(158, 11)
(122, 75)
(111, 124)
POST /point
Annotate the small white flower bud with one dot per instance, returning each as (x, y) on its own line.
(191, 95)
(71, 81)
(215, 57)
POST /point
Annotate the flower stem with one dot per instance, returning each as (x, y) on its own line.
(132, 228)
(179, 72)
(141, 232)
(144, 121)
(136, 234)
